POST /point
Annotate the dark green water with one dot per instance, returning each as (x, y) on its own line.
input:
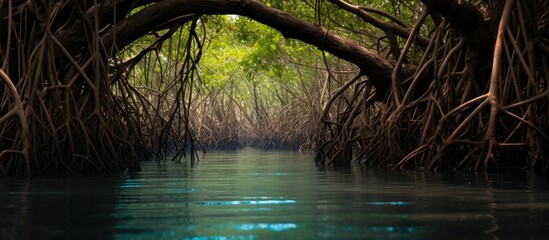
(253, 194)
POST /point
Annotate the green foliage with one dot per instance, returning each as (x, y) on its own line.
(244, 50)
(266, 74)
(254, 71)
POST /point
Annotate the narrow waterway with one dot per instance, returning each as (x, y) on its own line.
(253, 194)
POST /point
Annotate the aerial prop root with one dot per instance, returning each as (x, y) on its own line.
(19, 111)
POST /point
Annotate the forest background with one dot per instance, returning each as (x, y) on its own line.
(95, 86)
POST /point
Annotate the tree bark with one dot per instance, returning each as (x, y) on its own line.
(384, 26)
(167, 13)
(376, 67)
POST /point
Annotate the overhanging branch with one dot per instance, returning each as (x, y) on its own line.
(376, 67)
(384, 26)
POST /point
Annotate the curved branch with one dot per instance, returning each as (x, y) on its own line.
(384, 26)
(386, 15)
(24, 124)
(379, 69)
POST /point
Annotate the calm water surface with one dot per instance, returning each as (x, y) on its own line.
(252, 194)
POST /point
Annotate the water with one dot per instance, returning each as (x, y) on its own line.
(252, 194)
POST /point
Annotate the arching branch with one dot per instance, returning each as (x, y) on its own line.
(384, 26)
(376, 67)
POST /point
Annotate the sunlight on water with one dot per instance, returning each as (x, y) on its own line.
(276, 227)
(251, 202)
(389, 203)
(252, 197)
(247, 202)
(244, 237)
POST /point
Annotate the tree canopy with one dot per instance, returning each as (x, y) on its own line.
(94, 86)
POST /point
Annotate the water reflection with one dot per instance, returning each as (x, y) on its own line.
(56, 208)
(274, 195)
(262, 195)
(389, 203)
(252, 202)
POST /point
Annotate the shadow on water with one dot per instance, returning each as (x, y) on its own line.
(56, 208)
(252, 194)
